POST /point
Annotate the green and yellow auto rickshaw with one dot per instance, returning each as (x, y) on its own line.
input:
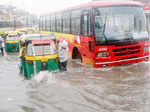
(37, 53)
(12, 42)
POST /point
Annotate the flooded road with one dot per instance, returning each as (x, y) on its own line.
(80, 89)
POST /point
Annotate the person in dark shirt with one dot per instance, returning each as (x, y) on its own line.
(2, 46)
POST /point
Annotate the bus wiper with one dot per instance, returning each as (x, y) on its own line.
(129, 35)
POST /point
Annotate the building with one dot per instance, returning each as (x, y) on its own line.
(11, 16)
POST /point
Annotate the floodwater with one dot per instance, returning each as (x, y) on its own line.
(80, 89)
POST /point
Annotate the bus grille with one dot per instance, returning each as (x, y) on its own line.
(126, 51)
(127, 58)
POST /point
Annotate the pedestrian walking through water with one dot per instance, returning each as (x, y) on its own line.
(2, 46)
(63, 55)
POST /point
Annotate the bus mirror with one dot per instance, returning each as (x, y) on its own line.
(91, 47)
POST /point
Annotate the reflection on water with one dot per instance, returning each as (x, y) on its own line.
(80, 89)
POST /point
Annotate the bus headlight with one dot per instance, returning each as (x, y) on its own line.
(146, 49)
(103, 54)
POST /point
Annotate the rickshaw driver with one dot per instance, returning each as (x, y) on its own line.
(22, 48)
(21, 54)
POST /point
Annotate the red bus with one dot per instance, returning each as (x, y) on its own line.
(101, 33)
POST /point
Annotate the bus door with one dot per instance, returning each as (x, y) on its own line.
(148, 22)
(86, 34)
(147, 13)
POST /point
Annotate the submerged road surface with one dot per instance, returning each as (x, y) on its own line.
(80, 89)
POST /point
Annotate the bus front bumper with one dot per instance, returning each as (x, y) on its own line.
(121, 62)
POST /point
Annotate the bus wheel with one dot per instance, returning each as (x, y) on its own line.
(76, 54)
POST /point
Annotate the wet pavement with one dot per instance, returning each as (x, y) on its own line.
(80, 89)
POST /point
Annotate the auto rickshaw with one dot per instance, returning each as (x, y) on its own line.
(12, 42)
(37, 53)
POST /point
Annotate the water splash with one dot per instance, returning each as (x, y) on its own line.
(44, 77)
(105, 69)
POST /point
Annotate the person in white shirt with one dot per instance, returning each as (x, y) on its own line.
(63, 55)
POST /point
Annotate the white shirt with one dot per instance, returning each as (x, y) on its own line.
(62, 53)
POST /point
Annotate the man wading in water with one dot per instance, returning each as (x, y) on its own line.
(63, 55)
(2, 46)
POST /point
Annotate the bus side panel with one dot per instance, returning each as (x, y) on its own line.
(87, 55)
(83, 46)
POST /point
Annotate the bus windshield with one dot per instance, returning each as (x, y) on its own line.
(122, 23)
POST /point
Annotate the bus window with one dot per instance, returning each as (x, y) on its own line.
(44, 23)
(58, 23)
(53, 23)
(85, 22)
(66, 22)
(50, 22)
(47, 23)
(99, 21)
(75, 22)
(41, 23)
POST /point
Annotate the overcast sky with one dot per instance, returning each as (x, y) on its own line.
(42, 6)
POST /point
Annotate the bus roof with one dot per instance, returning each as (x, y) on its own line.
(100, 4)
(35, 37)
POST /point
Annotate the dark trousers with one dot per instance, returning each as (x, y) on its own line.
(62, 66)
(2, 51)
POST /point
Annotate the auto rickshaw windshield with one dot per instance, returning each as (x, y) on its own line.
(41, 49)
